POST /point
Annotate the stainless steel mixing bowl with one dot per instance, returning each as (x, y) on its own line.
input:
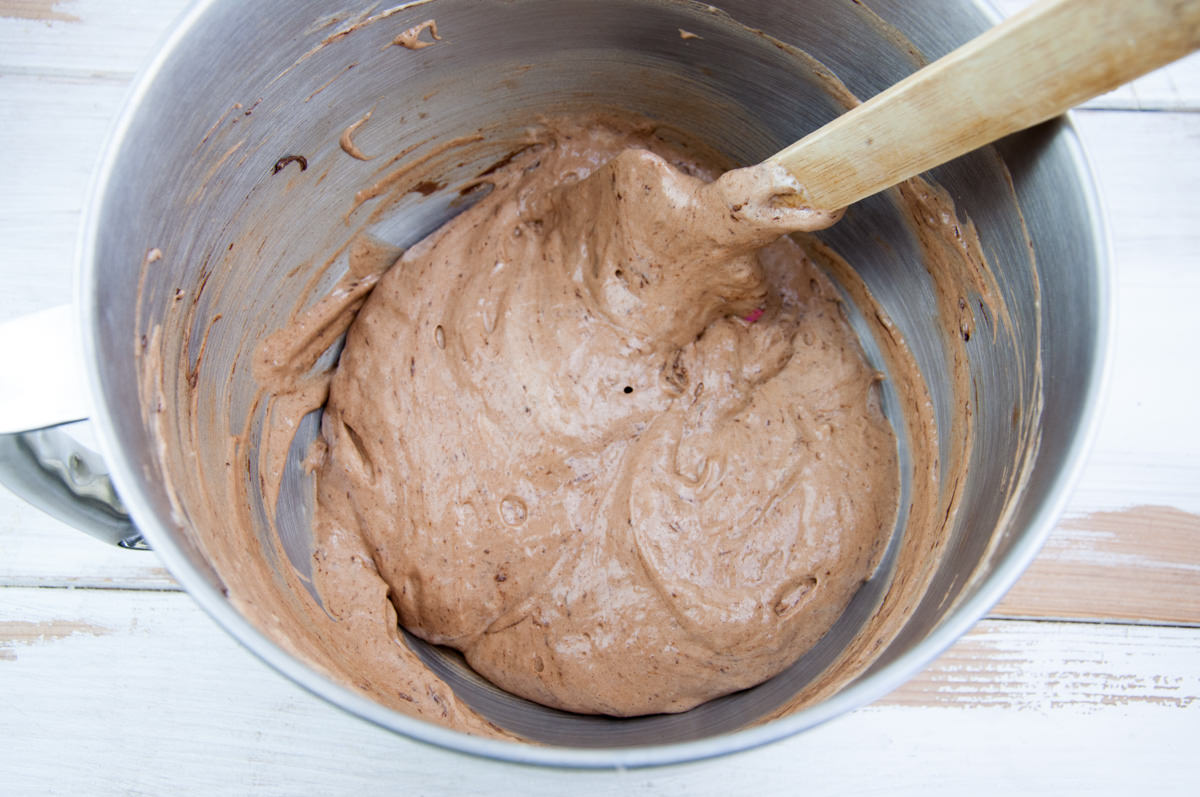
(237, 86)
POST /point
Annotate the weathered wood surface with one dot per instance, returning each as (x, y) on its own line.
(1084, 679)
(113, 692)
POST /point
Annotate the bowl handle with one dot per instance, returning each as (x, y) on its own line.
(43, 397)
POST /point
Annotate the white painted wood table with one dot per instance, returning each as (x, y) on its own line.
(1085, 679)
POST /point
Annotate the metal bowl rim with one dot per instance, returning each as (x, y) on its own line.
(857, 694)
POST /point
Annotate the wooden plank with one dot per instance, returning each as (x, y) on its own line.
(50, 155)
(1116, 479)
(97, 37)
(1146, 447)
(1140, 564)
(1147, 167)
(147, 695)
(1130, 546)
(38, 551)
(87, 37)
(54, 130)
(1046, 666)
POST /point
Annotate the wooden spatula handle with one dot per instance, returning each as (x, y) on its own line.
(1035, 65)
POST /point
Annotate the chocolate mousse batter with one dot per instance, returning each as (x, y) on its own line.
(608, 433)
(607, 550)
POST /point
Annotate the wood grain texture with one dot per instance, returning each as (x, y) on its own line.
(1175, 87)
(44, 10)
(1046, 666)
(106, 39)
(38, 551)
(150, 697)
(50, 154)
(1140, 564)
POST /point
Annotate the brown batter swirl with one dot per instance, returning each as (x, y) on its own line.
(609, 434)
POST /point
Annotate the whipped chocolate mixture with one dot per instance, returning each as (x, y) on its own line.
(585, 432)
(608, 434)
